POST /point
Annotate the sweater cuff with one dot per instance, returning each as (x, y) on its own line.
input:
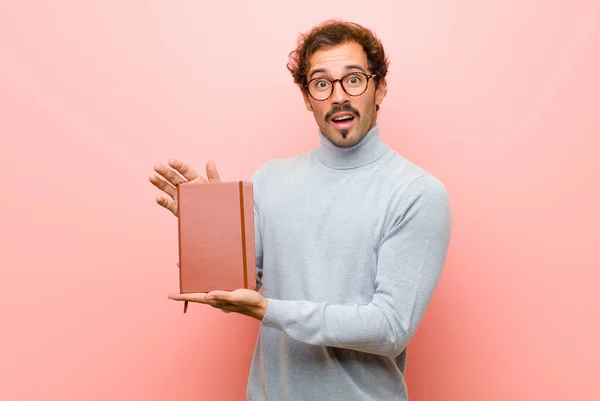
(274, 314)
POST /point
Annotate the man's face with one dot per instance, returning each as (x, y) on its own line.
(334, 63)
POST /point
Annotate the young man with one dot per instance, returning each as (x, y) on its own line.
(351, 238)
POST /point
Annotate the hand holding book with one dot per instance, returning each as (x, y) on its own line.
(216, 236)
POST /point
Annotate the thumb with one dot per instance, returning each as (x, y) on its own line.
(211, 172)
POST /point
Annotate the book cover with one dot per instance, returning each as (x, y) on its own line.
(216, 236)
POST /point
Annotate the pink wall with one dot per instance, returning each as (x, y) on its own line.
(499, 99)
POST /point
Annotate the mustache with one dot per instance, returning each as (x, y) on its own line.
(338, 109)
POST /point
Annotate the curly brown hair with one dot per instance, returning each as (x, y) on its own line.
(331, 33)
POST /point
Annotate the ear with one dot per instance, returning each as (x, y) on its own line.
(380, 92)
(306, 100)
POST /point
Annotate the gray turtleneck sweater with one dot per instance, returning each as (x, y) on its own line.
(350, 244)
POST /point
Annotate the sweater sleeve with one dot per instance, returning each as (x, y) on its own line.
(410, 259)
(258, 247)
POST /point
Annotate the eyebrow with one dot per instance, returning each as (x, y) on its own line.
(348, 67)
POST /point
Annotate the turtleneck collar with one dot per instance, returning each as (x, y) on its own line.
(369, 149)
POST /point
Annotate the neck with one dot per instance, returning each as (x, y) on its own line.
(368, 150)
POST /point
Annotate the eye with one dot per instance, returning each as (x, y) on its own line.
(354, 80)
(321, 84)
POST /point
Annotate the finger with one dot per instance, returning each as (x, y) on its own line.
(170, 175)
(164, 186)
(185, 170)
(191, 297)
(177, 264)
(167, 204)
(211, 172)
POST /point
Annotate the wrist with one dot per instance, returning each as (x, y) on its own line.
(262, 309)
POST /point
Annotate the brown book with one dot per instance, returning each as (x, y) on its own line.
(216, 236)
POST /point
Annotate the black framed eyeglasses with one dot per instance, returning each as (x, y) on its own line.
(354, 84)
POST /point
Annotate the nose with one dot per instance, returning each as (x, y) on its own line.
(339, 96)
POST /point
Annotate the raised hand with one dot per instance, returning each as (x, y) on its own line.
(175, 173)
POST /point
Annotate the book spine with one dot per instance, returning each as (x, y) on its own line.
(179, 233)
(243, 227)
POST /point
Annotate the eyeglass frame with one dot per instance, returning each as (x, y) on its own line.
(333, 81)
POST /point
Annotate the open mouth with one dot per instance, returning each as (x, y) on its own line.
(343, 121)
(342, 118)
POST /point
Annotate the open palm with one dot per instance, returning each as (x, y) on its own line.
(244, 301)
